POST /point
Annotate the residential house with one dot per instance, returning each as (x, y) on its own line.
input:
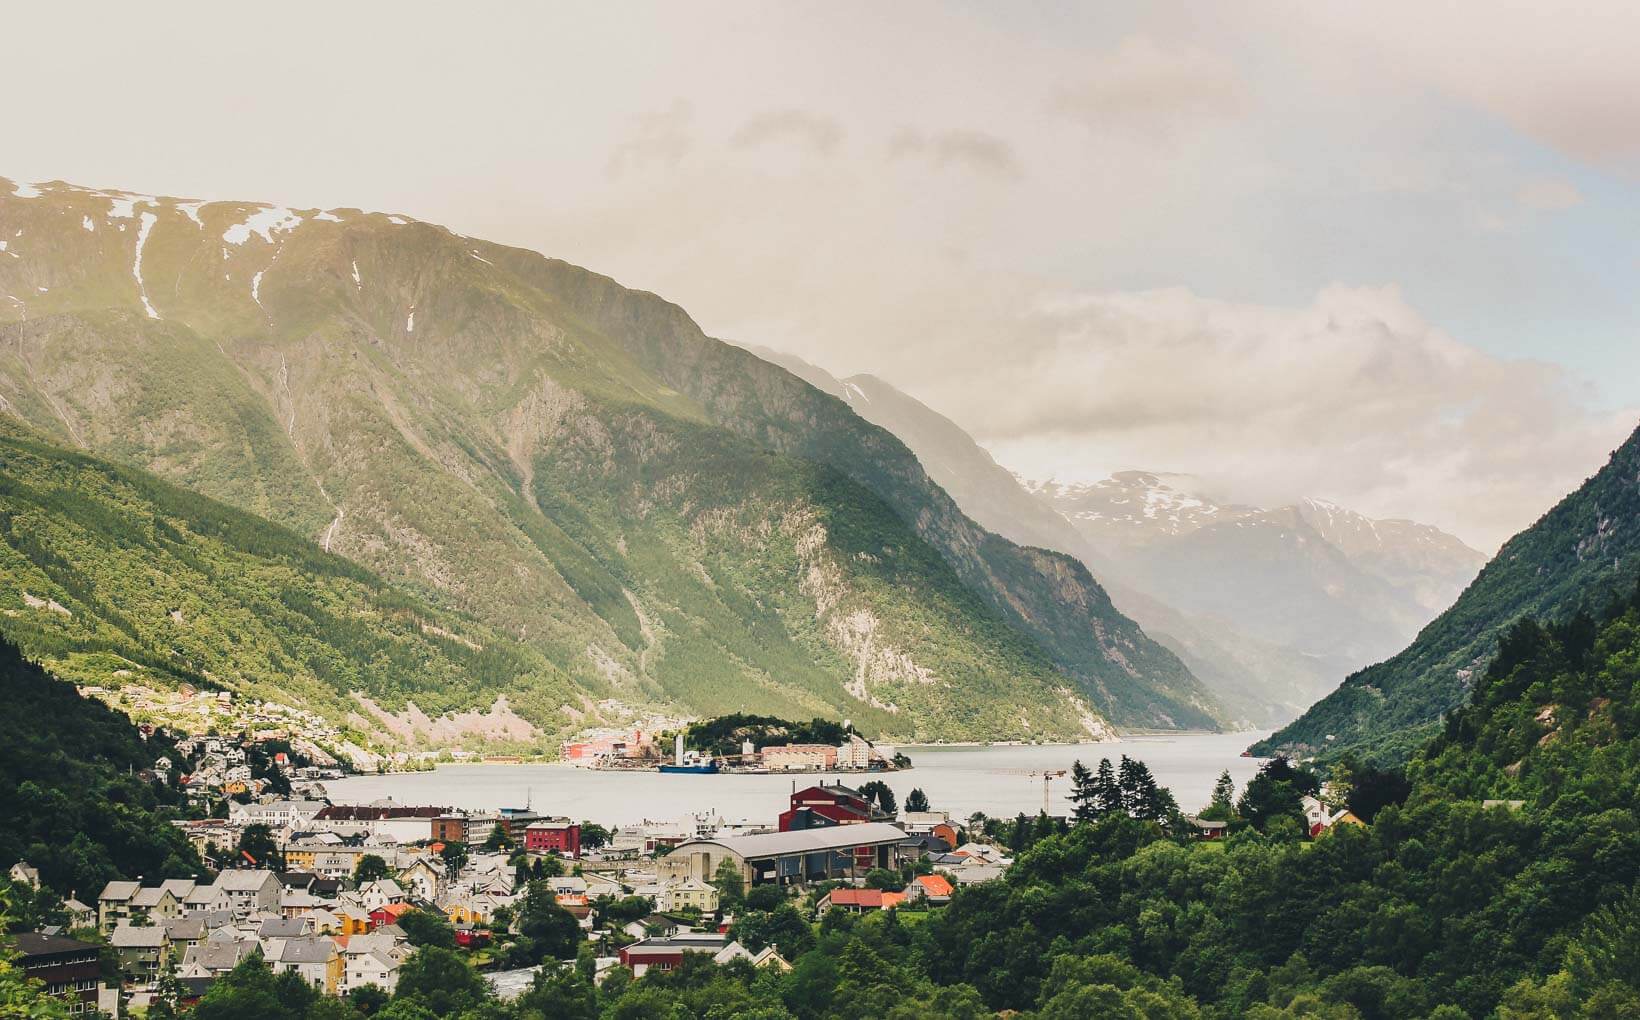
(374, 967)
(114, 903)
(315, 959)
(155, 904)
(68, 968)
(249, 892)
(25, 873)
(142, 951)
(934, 890)
(79, 914)
(380, 893)
(1206, 829)
(422, 879)
(216, 957)
(184, 933)
(667, 953)
(858, 901)
(690, 892)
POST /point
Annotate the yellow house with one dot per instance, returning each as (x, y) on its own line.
(464, 912)
(299, 858)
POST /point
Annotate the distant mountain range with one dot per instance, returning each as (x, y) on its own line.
(1581, 555)
(1269, 606)
(518, 445)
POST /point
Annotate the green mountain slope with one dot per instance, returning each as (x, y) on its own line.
(110, 574)
(1577, 555)
(663, 518)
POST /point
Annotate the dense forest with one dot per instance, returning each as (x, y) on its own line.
(725, 734)
(72, 802)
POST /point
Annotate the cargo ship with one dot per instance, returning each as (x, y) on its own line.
(709, 768)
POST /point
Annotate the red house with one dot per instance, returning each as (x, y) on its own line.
(553, 835)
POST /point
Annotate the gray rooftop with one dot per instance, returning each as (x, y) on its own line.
(127, 936)
(781, 844)
(314, 950)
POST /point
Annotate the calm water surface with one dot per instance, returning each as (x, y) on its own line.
(961, 780)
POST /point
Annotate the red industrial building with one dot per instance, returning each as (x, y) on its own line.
(818, 806)
(553, 835)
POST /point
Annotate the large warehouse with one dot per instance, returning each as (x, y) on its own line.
(807, 855)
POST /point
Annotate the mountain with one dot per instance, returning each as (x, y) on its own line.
(1321, 590)
(666, 519)
(1268, 607)
(1580, 554)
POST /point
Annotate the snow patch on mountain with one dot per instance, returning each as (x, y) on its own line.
(265, 222)
(148, 221)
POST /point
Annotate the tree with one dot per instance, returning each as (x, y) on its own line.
(257, 843)
(1084, 793)
(498, 840)
(593, 835)
(370, 868)
(1222, 807)
(731, 886)
(455, 856)
(765, 897)
(1107, 792)
(882, 878)
(917, 801)
(877, 792)
(549, 927)
(1277, 790)
(441, 981)
(427, 928)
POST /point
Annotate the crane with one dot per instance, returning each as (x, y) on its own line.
(1048, 776)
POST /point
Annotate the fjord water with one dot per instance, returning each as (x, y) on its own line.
(995, 780)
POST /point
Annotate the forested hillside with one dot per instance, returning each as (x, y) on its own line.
(73, 807)
(660, 516)
(1579, 555)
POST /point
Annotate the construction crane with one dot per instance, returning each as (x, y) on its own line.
(1048, 777)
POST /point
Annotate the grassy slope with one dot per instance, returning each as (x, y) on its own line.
(1578, 554)
(173, 586)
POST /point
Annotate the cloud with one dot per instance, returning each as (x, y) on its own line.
(1568, 78)
(817, 132)
(661, 138)
(1144, 89)
(1354, 397)
(971, 150)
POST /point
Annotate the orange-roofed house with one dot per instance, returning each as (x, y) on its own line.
(859, 901)
(935, 890)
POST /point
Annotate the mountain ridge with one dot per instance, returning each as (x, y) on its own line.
(574, 462)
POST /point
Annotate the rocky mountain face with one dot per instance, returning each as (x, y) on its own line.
(1582, 555)
(663, 518)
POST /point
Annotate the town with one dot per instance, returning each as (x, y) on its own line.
(343, 895)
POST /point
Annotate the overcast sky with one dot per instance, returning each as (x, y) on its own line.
(1380, 253)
